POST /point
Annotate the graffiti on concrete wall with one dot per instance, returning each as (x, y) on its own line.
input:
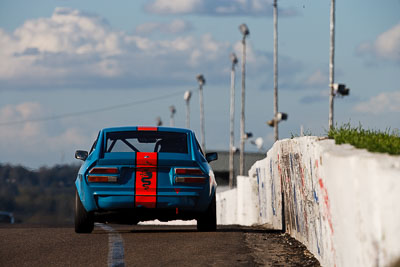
(273, 189)
(267, 194)
(262, 194)
(268, 191)
(339, 220)
(306, 201)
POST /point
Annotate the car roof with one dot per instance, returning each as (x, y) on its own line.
(146, 128)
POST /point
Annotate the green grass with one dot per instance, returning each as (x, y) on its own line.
(372, 140)
(305, 133)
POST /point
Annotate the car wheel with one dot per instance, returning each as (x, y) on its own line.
(207, 222)
(84, 221)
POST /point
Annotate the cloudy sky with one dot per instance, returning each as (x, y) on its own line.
(69, 68)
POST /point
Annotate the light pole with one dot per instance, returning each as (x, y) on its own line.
(331, 63)
(245, 32)
(202, 81)
(335, 88)
(173, 111)
(158, 121)
(276, 132)
(232, 119)
(187, 96)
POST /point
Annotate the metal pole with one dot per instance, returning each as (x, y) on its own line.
(187, 115)
(187, 96)
(276, 132)
(172, 120)
(203, 144)
(242, 120)
(202, 81)
(331, 63)
(232, 121)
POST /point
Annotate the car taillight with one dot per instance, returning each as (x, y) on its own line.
(103, 170)
(188, 171)
(103, 175)
(189, 175)
(102, 179)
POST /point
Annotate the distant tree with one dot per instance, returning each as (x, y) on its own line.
(42, 196)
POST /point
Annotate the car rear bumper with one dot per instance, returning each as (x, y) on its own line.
(186, 201)
(112, 202)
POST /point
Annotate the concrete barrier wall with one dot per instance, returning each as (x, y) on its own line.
(268, 193)
(256, 201)
(227, 207)
(342, 203)
(239, 206)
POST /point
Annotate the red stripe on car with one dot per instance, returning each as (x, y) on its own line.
(146, 179)
(147, 128)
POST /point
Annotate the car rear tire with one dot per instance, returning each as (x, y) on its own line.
(84, 221)
(207, 222)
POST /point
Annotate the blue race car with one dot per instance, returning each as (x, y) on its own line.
(134, 174)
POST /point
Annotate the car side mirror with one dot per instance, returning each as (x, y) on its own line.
(211, 156)
(81, 154)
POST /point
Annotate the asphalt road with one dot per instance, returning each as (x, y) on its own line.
(145, 245)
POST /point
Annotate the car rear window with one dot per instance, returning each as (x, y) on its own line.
(146, 141)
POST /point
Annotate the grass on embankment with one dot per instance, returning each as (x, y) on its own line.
(374, 141)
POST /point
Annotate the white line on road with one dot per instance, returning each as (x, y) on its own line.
(115, 246)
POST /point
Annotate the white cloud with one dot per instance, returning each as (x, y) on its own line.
(68, 31)
(77, 50)
(216, 7)
(386, 46)
(174, 6)
(174, 27)
(74, 49)
(316, 97)
(317, 78)
(32, 139)
(383, 103)
(16, 113)
(71, 137)
(51, 48)
(254, 59)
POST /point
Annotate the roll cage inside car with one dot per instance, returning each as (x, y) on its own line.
(128, 141)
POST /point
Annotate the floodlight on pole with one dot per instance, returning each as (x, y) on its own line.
(186, 97)
(258, 142)
(244, 29)
(201, 80)
(248, 135)
(340, 89)
(245, 32)
(280, 116)
(232, 120)
(173, 111)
